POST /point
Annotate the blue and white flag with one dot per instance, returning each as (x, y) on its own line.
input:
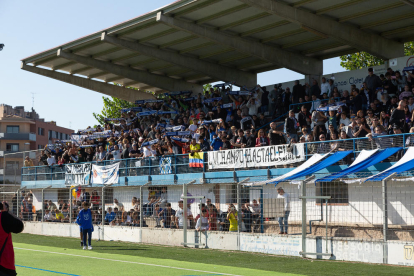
(331, 107)
(105, 174)
(224, 84)
(174, 128)
(146, 113)
(229, 105)
(240, 93)
(170, 107)
(148, 101)
(182, 140)
(115, 119)
(149, 143)
(215, 121)
(167, 112)
(87, 146)
(165, 165)
(135, 109)
(87, 130)
(178, 133)
(211, 100)
(190, 99)
(178, 93)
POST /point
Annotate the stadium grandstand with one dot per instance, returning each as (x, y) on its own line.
(340, 153)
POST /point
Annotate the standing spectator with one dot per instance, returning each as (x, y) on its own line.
(275, 136)
(372, 81)
(264, 101)
(84, 220)
(96, 200)
(304, 118)
(254, 208)
(315, 90)
(406, 93)
(232, 217)
(325, 87)
(179, 217)
(28, 162)
(202, 222)
(297, 92)
(51, 160)
(398, 115)
(283, 221)
(168, 215)
(262, 140)
(85, 196)
(399, 81)
(291, 126)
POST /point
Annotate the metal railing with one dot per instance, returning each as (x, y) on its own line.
(180, 163)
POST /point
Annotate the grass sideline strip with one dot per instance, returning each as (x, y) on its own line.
(265, 262)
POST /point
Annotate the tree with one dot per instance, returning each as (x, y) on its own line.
(363, 59)
(112, 109)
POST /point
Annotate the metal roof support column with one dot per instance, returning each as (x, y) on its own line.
(101, 87)
(159, 81)
(213, 70)
(293, 61)
(345, 33)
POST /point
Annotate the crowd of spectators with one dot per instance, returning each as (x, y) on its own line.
(155, 209)
(221, 119)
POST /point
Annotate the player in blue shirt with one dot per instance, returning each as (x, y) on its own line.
(84, 220)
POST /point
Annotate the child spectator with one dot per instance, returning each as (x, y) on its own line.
(202, 222)
(84, 220)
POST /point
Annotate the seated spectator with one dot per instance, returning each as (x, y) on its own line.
(179, 217)
(250, 140)
(202, 222)
(167, 215)
(109, 216)
(48, 216)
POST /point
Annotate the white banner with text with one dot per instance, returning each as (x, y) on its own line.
(256, 157)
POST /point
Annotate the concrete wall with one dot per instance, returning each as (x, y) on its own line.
(369, 251)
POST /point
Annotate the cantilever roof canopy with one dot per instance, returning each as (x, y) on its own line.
(193, 42)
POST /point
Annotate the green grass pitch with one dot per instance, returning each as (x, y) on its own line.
(42, 255)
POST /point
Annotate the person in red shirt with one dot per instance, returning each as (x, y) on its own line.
(8, 224)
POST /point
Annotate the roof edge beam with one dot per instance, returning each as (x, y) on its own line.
(293, 61)
(345, 33)
(210, 69)
(101, 87)
(162, 82)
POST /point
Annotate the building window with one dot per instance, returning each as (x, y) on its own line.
(40, 146)
(337, 190)
(40, 131)
(50, 135)
(12, 147)
(12, 166)
(12, 129)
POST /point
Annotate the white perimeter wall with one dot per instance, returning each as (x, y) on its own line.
(400, 253)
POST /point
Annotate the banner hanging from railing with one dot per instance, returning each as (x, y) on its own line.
(77, 174)
(256, 157)
(105, 174)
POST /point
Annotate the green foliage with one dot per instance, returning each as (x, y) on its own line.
(206, 87)
(112, 109)
(363, 59)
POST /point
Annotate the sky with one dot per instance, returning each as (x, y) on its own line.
(28, 27)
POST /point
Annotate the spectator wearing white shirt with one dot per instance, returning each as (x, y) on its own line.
(344, 120)
(179, 216)
(283, 221)
(253, 106)
(325, 87)
(116, 153)
(193, 127)
(315, 103)
(51, 160)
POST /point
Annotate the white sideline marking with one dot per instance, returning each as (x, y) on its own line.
(121, 261)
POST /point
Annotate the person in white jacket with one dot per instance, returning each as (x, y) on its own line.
(283, 221)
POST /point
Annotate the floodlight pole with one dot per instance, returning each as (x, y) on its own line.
(385, 218)
(141, 214)
(239, 215)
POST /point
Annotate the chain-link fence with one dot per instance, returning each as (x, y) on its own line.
(348, 208)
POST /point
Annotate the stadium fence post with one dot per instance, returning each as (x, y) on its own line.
(70, 206)
(141, 213)
(103, 211)
(239, 213)
(304, 230)
(385, 217)
(185, 214)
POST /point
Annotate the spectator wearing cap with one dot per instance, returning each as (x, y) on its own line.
(283, 221)
(291, 126)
